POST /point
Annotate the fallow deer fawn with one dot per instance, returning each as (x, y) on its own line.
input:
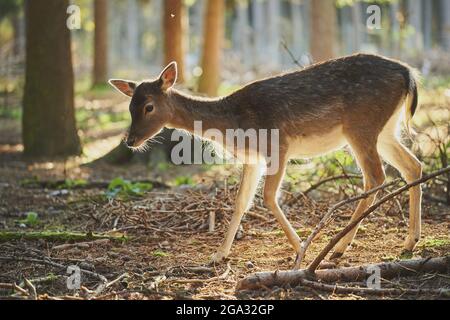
(356, 101)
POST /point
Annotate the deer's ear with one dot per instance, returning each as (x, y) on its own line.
(169, 76)
(124, 86)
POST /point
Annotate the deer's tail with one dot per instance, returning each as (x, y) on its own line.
(412, 98)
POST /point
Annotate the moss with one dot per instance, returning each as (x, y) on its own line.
(435, 243)
(303, 233)
(406, 255)
(388, 258)
(160, 254)
(57, 236)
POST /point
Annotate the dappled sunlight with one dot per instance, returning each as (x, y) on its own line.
(98, 148)
(94, 207)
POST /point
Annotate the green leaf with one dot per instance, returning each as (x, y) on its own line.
(160, 254)
(183, 180)
(124, 189)
(70, 184)
(115, 183)
(31, 220)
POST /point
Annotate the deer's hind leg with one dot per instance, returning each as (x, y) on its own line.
(368, 159)
(410, 168)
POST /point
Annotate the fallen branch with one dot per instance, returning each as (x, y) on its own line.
(177, 270)
(373, 291)
(123, 276)
(63, 184)
(48, 262)
(81, 245)
(31, 289)
(223, 276)
(47, 279)
(56, 236)
(388, 270)
(212, 222)
(15, 287)
(313, 266)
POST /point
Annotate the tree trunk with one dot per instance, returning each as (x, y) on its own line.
(415, 40)
(196, 18)
(358, 27)
(446, 24)
(395, 29)
(100, 42)
(214, 30)
(49, 128)
(118, 156)
(259, 31)
(17, 22)
(241, 33)
(132, 33)
(174, 32)
(273, 33)
(323, 26)
(298, 27)
(428, 24)
(347, 31)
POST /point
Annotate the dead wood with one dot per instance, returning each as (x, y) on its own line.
(47, 261)
(388, 270)
(63, 184)
(371, 291)
(81, 245)
(57, 236)
(223, 276)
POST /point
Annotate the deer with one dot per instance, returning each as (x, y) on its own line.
(358, 101)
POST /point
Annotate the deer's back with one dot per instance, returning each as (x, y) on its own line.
(357, 89)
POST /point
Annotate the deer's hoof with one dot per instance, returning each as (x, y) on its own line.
(336, 255)
(218, 257)
(410, 244)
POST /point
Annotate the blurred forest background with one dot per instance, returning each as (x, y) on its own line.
(219, 45)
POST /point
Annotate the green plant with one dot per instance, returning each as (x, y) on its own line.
(183, 180)
(10, 113)
(123, 189)
(70, 184)
(435, 243)
(29, 182)
(31, 220)
(163, 166)
(406, 255)
(159, 254)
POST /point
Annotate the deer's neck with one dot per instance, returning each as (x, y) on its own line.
(212, 113)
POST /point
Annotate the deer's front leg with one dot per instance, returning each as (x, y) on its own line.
(249, 182)
(271, 188)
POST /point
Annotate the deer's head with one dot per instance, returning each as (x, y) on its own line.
(149, 107)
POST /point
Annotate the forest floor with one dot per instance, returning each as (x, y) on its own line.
(153, 241)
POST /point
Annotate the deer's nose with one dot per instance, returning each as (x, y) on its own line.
(131, 141)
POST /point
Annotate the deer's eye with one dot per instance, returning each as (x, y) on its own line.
(149, 108)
